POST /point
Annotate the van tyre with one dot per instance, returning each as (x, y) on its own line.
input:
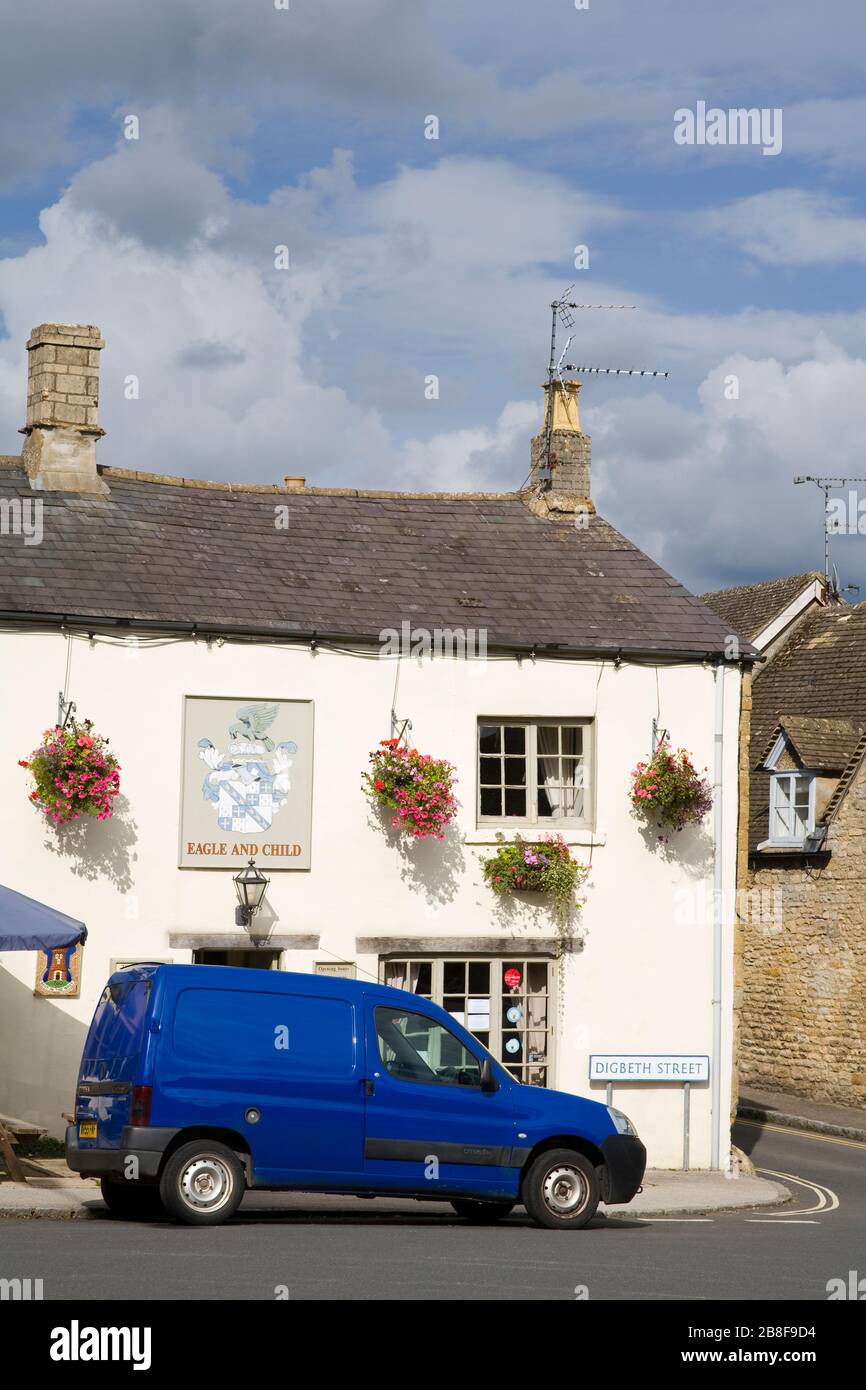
(482, 1213)
(131, 1201)
(202, 1183)
(560, 1190)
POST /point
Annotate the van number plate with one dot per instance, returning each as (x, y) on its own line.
(87, 1129)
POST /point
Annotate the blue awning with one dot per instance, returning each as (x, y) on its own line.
(26, 925)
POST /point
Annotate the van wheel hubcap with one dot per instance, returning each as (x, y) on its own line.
(206, 1183)
(565, 1190)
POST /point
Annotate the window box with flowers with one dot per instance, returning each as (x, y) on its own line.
(669, 791)
(74, 772)
(416, 789)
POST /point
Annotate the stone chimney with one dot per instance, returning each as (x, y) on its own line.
(62, 426)
(565, 486)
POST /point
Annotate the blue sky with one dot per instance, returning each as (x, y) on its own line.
(410, 257)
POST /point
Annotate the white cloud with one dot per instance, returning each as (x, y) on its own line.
(710, 493)
(792, 226)
(431, 271)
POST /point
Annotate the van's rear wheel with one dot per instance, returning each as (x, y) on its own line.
(482, 1213)
(130, 1201)
(560, 1190)
(202, 1183)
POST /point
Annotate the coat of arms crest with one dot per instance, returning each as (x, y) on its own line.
(247, 783)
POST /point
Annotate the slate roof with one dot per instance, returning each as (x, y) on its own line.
(819, 675)
(350, 564)
(823, 745)
(751, 607)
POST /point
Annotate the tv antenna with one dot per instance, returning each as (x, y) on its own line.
(562, 312)
(828, 485)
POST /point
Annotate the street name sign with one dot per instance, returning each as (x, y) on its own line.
(666, 1066)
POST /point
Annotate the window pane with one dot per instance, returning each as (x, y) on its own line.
(512, 976)
(573, 772)
(477, 1015)
(786, 821)
(491, 801)
(572, 801)
(515, 772)
(489, 738)
(454, 977)
(515, 739)
(512, 1045)
(479, 977)
(548, 739)
(456, 1007)
(491, 772)
(513, 1011)
(515, 803)
(572, 738)
(416, 1048)
(424, 984)
(536, 972)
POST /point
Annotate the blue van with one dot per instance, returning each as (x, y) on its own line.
(200, 1081)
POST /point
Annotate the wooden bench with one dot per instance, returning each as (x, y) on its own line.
(11, 1132)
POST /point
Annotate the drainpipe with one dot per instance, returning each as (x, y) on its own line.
(718, 919)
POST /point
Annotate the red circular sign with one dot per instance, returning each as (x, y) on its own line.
(512, 978)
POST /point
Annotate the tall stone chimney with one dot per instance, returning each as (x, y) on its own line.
(564, 487)
(62, 426)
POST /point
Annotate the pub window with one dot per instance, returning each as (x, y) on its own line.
(535, 772)
(506, 1003)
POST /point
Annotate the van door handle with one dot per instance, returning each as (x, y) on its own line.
(369, 1088)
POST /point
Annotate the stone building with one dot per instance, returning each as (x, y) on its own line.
(246, 645)
(802, 898)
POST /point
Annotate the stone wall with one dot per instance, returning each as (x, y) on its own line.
(803, 1017)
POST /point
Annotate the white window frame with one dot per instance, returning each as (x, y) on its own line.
(801, 774)
(532, 820)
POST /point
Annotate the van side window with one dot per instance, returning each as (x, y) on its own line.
(414, 1047)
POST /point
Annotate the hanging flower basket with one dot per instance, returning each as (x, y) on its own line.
(418, 790)
(74, 772)
(669, 790)
(536, 866)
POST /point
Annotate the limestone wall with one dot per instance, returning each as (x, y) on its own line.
(803, 1016)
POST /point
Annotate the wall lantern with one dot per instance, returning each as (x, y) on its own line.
(250, 886)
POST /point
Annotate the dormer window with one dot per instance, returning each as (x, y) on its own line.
(792, 807)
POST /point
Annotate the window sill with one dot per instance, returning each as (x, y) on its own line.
(579, 835)
(782, 847)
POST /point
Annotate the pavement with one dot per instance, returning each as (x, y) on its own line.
(53, 1191)
(794, 1112)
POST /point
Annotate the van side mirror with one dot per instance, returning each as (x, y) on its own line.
(489, 1084)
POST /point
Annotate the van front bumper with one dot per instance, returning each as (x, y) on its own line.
(146, 1145)
(625, 1164)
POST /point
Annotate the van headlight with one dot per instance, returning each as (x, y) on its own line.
(621, 1123)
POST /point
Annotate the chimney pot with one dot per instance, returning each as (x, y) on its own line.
(62, 424)
(295, 483)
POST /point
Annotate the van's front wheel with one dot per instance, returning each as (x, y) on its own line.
(482, 1213)
(202, 1183)
(560, 1190)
